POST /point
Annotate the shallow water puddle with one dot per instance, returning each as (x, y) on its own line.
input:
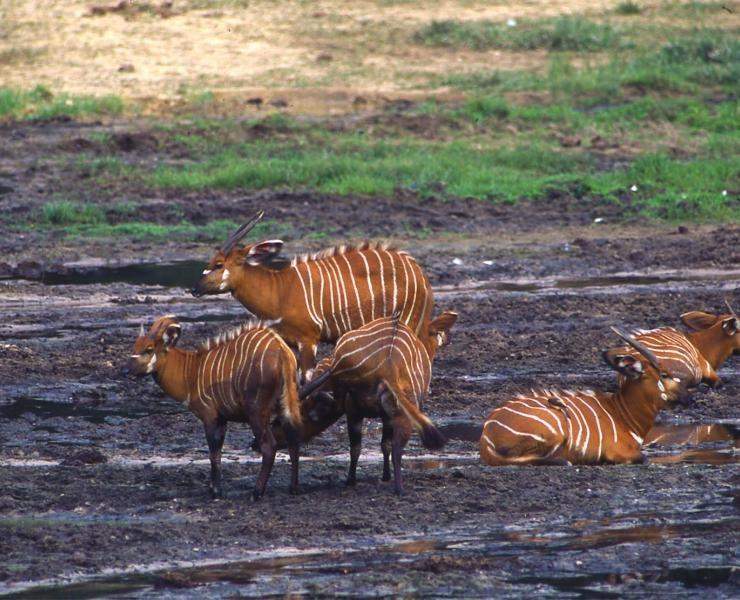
(616, 283)
(182, 273)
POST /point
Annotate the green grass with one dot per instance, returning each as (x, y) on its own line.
(359, 164)
(692, 9)
(81, 220)
(213, 231)
(628, 8)
(354, 165)
(674, 189)
(696, 64)
(481, 108)
(41, 103)
(559, 34)
(71, 213)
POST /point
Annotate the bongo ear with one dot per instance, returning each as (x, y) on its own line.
(171, 335)
(624, 364)
(698, 320)
(263, 252)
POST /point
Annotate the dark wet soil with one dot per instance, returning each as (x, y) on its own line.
(98, 472)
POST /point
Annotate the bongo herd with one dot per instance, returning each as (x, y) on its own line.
(373, 305)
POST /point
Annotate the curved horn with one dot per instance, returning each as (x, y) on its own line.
(729, 307)
(641, 348)
(239, 234)
(141, 330)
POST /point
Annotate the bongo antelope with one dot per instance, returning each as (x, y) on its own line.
(677, 352)
(699, 353)
(383, 369)
(716, 337)
(584, 427)
(319, 297)
(246, 375)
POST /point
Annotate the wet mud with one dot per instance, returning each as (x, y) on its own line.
(103, 478)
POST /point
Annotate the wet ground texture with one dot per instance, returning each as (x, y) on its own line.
(103, 479)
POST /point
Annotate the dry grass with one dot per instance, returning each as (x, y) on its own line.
(321, 56)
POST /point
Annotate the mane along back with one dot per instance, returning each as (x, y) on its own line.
(231, 334)
(342, 249)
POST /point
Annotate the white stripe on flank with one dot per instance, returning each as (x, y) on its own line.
(596, 419)
(515, 432)
(592, 395)
(485, 438)
(254, 353)
(539, 405)
(351, 277)
(307, 298)
(326, 272)
(530, 416)
(557, 414)
(369, 287)
(343, 307)
(319, 274)
(413, 300)
(405, 288)
(395, 282)
(382, 282)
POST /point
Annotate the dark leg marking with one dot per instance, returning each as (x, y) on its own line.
(354, 429)
(215, 435)
(385, 446)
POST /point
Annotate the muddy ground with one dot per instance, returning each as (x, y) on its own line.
(102, 478)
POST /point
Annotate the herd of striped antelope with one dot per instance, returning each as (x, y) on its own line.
(375, 305)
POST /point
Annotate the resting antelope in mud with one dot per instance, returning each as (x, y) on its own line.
(319, 297)
(246, 375)
(382, 369)
(699, 353)
(584, 427)
(716, 337)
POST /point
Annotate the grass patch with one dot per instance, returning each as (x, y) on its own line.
(684, 65)
(695, 8)
(666, 187)
(97, 165)
(353, 165)
(571, 133)
(71, 213)
(482, 108)
(210, 232)
(628, 8)
(41, 103)
(562, 33)
(673, 189)
(78, 220)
